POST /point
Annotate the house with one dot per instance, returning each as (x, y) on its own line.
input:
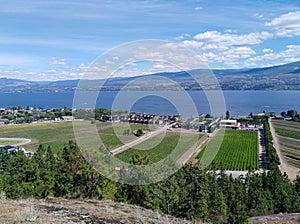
(4, 121)
(230, 124)
(68, 118)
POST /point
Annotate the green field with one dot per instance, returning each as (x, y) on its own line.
(113, 137)
(238, 151)
(289, 140)
(57, 134)
(162, 147)
(8, 142)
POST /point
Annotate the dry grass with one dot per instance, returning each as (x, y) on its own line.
(78, 211)
(276, 219)
(57, 134)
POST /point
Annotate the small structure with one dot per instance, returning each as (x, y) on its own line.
(4, 121)
(13, 150)
(68, 118)
(230, 124)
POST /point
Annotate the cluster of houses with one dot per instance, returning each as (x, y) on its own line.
(142, 118)
(18, 115)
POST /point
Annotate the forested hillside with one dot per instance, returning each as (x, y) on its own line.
(191, 193)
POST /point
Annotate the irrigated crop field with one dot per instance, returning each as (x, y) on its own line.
(238, 151)
(57, 134)
(288, 133)
(162, 147)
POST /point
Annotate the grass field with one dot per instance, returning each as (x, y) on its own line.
(161, 147)
(57, 134)
(238, 151)
(289, 140)
(8, 142)
(113, 137)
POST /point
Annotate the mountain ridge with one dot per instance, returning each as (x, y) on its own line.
(280, 77)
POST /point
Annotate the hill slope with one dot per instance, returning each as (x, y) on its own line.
(78, 211)
(282, 77)
(92, 211)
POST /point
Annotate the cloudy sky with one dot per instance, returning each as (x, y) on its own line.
(54, 39)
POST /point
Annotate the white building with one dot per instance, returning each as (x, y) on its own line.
(68, 118)
(230, 124)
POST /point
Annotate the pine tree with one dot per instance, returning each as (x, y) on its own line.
(217, 205)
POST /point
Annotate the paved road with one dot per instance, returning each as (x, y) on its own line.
(23, 141)
(237, 174)
(262, 150)
(139, 140)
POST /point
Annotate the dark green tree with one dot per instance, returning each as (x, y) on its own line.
(227, 114)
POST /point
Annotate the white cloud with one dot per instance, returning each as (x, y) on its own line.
(214, 46)
(258, 15)
(198, 8)
(183, 36)
(229, 49)
(290, 54)
(225, 40)
(82, 67)
(60, 72)
(159, 66)
(267, 50)
(56, 61)
(239, 52)
(233, 56)
(230, 31)
(52, 71)
(286, 25)
(289, 60)
(109, 62)
(192, 44)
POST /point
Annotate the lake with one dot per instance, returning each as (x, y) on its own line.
(168, 102)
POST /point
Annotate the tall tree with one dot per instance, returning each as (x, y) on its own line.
(227, 114)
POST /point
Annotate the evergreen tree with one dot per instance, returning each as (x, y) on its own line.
(217, 205)
(296, 195)
(260, 200)
(227, 115)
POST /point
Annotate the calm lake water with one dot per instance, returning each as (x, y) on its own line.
(237, 102)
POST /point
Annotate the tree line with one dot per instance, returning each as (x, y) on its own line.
(191, 193)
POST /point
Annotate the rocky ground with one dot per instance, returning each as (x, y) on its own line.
(77, 211)
(276, 219)
(92, 211)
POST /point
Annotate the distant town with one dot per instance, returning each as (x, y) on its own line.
(203, 123)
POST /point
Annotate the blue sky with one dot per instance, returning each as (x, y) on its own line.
(55, 40)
